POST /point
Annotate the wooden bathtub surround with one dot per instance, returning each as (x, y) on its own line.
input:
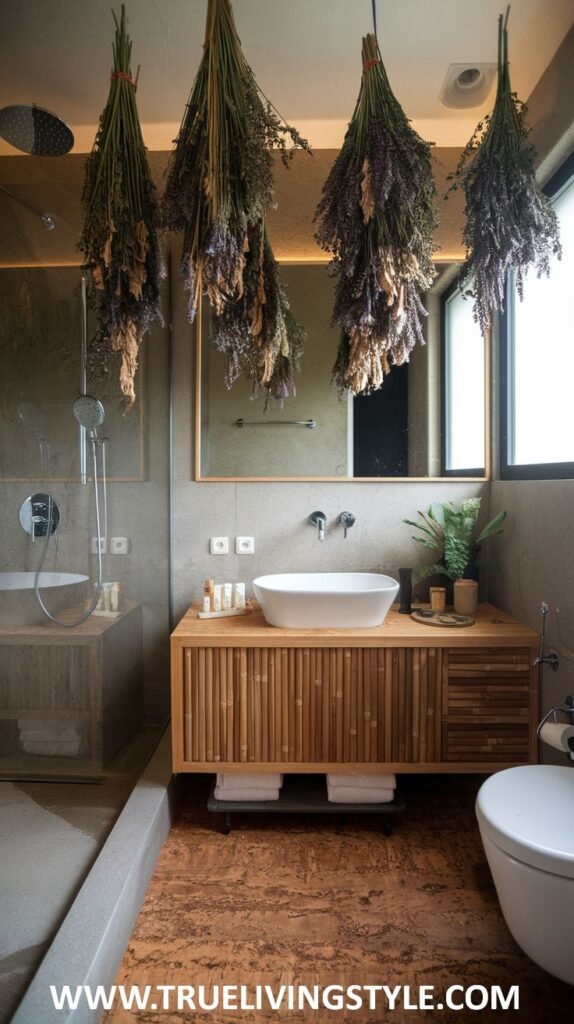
(401, 697)
(89, 676)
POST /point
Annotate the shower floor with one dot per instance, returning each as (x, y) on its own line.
(51, 834)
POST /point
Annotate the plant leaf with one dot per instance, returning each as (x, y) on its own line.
(492, 527)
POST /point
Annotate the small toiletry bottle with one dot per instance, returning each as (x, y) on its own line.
(206, 607)
(217, 598)
(239, 595)
(115, 596)
(227, 592)
(209, 592)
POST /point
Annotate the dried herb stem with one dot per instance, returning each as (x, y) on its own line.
(219, 187)
(510, 224)
(376, 219)
(120, 241)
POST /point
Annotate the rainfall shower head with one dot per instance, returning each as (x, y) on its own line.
(35, 131)
(89, 413)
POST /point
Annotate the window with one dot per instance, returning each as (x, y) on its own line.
(463, 388)
(537, 359)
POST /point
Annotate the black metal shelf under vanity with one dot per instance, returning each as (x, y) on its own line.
(302, 794)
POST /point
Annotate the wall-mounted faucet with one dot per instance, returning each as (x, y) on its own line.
(319, 520)
(346, 520)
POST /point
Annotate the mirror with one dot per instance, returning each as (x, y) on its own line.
(40, 344)
(406, 430)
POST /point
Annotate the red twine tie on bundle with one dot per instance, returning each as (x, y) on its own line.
(127, 78)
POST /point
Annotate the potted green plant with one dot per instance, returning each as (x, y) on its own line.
(449, 530)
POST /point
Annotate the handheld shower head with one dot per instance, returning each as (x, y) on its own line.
(89, 413)
(35, 130)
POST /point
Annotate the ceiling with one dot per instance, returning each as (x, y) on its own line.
(305, 55)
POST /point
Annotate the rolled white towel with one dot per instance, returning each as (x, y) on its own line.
(52, 726)
(350, 781)
(271, 780)
(48, 735)
(352, 795)
(248, 793)
(51, 748)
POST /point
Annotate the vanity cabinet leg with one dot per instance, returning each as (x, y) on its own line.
(226, 823)
(386, 826)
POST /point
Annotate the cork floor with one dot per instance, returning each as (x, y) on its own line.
(330, 901)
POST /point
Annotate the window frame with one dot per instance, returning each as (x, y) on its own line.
(480, 471)
(524, 471)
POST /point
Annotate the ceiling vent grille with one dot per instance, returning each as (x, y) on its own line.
(467, 85)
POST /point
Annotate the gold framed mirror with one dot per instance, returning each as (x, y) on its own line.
(416, 428)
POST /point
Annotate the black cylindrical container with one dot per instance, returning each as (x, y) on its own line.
(406, 591)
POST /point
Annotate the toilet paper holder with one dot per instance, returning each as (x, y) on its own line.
(568, 711)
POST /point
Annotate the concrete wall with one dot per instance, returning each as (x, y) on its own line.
(535, 554)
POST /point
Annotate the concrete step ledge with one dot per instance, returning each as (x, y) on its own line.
(90, 943)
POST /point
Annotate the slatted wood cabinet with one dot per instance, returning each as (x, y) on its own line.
(406, 696)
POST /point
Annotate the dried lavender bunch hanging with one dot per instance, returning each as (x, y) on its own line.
(120, 242)
(268, 352)
(218, 190)
(510, 224)
(377, 217)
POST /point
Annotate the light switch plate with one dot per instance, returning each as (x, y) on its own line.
(219, 545)
(244, 545)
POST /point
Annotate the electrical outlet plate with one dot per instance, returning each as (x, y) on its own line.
(244, 545)
(119, 546)
(219, 545)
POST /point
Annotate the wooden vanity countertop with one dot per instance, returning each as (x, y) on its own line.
(492, 628)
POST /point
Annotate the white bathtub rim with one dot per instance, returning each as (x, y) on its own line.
(18, 581)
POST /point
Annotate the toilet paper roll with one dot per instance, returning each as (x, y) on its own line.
(558, 735)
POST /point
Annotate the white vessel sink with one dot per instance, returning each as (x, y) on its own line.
(318, 600)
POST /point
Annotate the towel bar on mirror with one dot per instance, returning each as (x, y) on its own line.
(275, 423)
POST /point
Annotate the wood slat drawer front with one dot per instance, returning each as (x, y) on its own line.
(508, 661)
(488, 684)
(493, 699)
(341, 705)
(485, 743)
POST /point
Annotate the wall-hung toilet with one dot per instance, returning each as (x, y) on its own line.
(526, 821)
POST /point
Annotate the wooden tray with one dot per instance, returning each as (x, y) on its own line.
(450, 619)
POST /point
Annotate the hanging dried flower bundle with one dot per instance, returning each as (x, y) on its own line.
(120, 242)
(219, 188)
(258, 332)
(510, 224)
(377, 216)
